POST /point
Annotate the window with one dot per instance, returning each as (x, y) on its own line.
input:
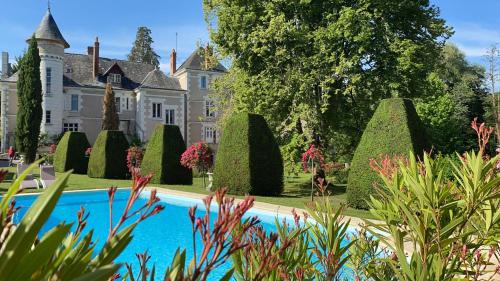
(71, 127)
(48, 80)
(114, 78)
(74, 102)
(170, 117)
(156, 110)
(209, 108)
(210, 135)
(203, 82)
(48, 117)
(127, 103)
(118, 105)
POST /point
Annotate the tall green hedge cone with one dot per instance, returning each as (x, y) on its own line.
(163, 157)
(29, 92)
(70, 153)
(109, 156)
(394, 130)
(248, 159)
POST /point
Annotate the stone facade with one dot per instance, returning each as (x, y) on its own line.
(73, 91)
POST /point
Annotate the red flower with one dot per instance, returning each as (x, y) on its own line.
(198, 156)
(313, 155)
(52, 148)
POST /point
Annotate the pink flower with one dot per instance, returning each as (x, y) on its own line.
(198, 156)
(314, 155)
(52, 148)
(88, 151)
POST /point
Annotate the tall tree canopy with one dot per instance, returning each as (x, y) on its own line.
(110, 119)
(319, 67)
(29, 93)
(455, 95)
(142, 51)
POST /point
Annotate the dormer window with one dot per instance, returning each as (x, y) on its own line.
(115, 78)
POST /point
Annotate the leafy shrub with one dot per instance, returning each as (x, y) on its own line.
(70, 153)
(163, 155)
(64, 252)
(248, 159)
(447, 162)
(395, 129)
(109, 156)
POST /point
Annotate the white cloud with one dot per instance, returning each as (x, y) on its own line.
(474, 39)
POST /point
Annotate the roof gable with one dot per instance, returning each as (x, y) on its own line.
(196, 62)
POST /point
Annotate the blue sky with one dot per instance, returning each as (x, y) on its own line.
(476, 24)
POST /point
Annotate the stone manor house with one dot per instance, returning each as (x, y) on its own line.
(73, 90)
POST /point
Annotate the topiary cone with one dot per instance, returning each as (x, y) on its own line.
(394, 129)
(248, 159)
(109, 156)
(70, 153)
(163, 157)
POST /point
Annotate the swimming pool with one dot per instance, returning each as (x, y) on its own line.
(161, 234)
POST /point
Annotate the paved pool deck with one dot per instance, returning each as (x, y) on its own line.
(259, 206)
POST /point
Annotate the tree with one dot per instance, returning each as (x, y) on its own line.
(142, 51)
(29, 113)
(318, 68)
(492, 77)
(110, 120)
(454, 96)
(198, 156)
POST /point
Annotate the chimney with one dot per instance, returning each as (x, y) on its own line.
(5, 65)
(173, 62)
(90, 51)
(95, 54)
(207, 57)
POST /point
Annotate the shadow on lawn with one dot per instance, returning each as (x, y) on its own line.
(297, 187)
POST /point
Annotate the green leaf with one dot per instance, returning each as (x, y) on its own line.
(42, 253)
(100, 274)
(21, 240)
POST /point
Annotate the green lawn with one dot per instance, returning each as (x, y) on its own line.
(296, 193)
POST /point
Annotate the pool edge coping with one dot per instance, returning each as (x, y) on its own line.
(355, 222)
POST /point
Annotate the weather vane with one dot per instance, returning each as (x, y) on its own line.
(48, 5)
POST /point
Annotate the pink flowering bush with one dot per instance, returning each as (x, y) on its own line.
(313, 161)
(198, 156)
(134, 157)
(88, 151)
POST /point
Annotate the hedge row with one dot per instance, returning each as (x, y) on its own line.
(249, 159)
(395, 129)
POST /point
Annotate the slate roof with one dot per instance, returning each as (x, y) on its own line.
(48, 30)
(196, 62)
(135, 74)
(156, 79)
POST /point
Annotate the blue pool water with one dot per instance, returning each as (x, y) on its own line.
(161, 235)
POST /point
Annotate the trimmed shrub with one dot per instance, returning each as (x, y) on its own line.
(163, 157)
(248, 160)
(109, 156)
(395, 129)
(70, 153)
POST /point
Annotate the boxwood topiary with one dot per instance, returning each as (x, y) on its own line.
(395, 129)
(248, 160)
(70, 153)
(109, 156)
(163, 155)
